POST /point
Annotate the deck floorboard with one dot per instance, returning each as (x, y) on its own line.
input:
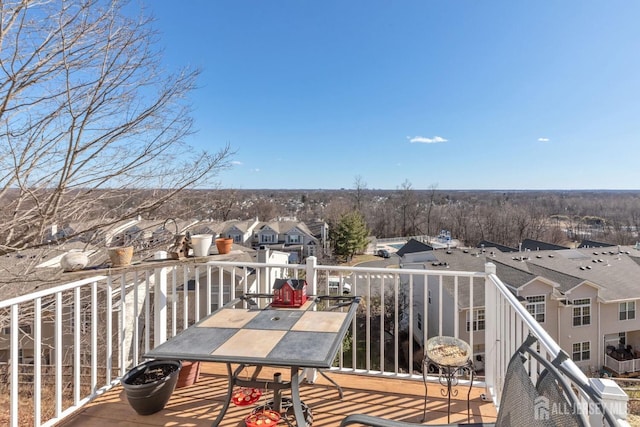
(198, 405)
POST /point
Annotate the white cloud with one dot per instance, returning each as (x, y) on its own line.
(256, 170)
(236, 163)
(425, 140)
(543, 139)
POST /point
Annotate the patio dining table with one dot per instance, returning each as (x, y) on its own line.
(250, 332)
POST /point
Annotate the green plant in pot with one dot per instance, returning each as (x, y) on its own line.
(149, 385)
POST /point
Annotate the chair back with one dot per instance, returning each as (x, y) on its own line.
(553, 400)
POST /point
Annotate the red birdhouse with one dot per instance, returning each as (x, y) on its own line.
(289, 293)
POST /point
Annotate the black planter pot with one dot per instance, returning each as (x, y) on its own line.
(150, 397)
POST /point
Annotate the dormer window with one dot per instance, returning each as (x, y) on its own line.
(267, 238)
(536, 305)
(294, 238)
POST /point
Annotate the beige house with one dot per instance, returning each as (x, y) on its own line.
(586, 299)
(290, 236)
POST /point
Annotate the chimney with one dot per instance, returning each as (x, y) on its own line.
(263, 254)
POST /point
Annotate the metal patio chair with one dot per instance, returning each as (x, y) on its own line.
(524, 403)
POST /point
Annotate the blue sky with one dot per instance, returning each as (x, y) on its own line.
(453, 94)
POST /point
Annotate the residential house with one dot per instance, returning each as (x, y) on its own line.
(240, 231)
(289, 236)
(320, 230)
(585, 299)
(538, 245)
(586, 243)
(413, 246)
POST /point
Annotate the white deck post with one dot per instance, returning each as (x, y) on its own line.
(312, 274)
(613, 398)
(490, 330)
(160, 306)
(310, 374)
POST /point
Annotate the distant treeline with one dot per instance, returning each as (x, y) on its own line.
(505, 217)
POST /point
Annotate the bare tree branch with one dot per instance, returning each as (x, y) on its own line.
(86, 111)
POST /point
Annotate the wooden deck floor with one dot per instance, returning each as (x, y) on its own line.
(198, 405)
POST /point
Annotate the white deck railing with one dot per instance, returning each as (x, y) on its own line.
(622, 366)
(102, 325)
(509, 328)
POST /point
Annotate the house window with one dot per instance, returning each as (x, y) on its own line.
(267, 238)
(429, 295)
(581, 351)
(26, 329)
(419, 321)
(627, 310)
(237, 238)
(478, 320)
(294, 238)
(581, 312)
(537, 307)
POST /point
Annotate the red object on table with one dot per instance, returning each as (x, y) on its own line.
(289, 293)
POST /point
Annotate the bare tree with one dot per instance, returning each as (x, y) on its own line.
(409, 209)
(359, 187)
(89, 120)
(431, 202)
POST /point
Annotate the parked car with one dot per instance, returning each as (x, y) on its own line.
(334, 286)
(383, 253)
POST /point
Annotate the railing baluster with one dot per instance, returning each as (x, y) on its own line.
(135, 341)
(507, 322)
(109, 329)
(77, 344)
(396, 327)
(440, 305)
(185, 292)
(208, 289)
(367, 333)
(94, 336)
(411, 317)
(196, 294)
(174, 302)
(147, 314)
(14, 365)
(221, 287)
(121, 327)
(37, 362)
(58, 357)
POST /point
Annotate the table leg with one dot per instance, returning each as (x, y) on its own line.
(447, 379)
(277, 393)
(426, 391)
(232, 380)
(471, 370)
(448, 398)
(295, 397)
(328, 378)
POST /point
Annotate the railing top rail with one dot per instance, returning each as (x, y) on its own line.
(51, 291)
(479, 274)
(253, 264)
(337, 268)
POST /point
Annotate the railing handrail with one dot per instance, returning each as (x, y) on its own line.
(549, 344)
(51, 291)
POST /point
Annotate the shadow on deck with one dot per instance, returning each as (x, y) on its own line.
(198, 405)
